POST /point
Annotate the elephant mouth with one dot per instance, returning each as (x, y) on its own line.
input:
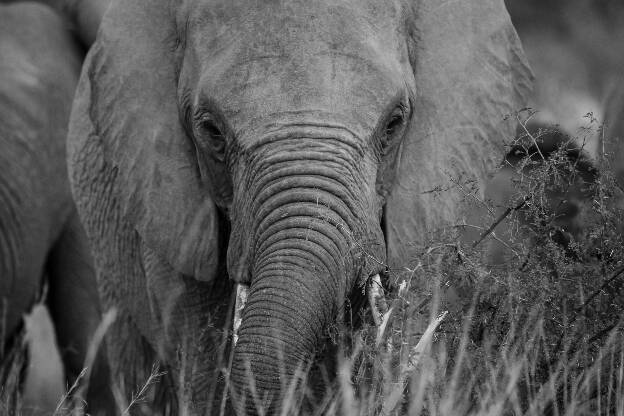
(375, 294)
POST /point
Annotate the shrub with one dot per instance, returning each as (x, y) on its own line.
(535, 303)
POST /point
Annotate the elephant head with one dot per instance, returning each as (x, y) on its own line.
(306, 135)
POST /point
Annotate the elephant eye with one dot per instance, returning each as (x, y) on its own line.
(214, 134)
(394, 125)
(211, 128)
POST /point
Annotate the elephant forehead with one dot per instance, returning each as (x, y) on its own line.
(328, 84)
(297, 57)
(258, 21)
(293, 29)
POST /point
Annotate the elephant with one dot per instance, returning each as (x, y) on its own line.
(83, 16)
(274, 158)
(43, 248)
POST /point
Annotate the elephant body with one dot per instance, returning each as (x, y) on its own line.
(42, 242)
(82, 17)
(36, 200)
(290, 148)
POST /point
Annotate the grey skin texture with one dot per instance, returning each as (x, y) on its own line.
(40, 233)
(281, 144)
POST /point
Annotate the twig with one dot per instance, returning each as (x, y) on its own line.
(153, 378)
(530, 136)
(493, 235)
(69, 393)
(470, 194)
(600, 289)
(500, 219)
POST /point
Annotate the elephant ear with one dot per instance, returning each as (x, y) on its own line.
(132, 72)
(469, 72)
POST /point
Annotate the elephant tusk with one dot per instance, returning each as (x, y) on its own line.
(376, 299)
(241, 299)
(379, 306)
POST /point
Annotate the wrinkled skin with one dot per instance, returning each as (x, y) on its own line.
(288, 146)
(40, 233)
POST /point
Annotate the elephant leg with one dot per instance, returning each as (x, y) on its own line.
(75, 310)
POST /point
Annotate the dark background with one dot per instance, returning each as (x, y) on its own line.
(576, 51)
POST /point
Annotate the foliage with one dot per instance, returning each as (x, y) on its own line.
(534, 303)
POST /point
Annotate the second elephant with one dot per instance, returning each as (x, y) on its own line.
(42, 242)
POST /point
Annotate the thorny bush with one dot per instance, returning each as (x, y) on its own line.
(533, 284)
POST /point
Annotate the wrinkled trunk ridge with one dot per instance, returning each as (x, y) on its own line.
(300, 270)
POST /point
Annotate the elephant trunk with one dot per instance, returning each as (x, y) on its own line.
(281, 330)
(293, 298)
(304, 213)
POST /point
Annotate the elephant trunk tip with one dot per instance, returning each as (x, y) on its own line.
(253, 399)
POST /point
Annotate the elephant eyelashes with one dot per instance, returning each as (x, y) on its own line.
(395, 124)
(209, 127)
(213, 134)
(209, 140)
(393, 128)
